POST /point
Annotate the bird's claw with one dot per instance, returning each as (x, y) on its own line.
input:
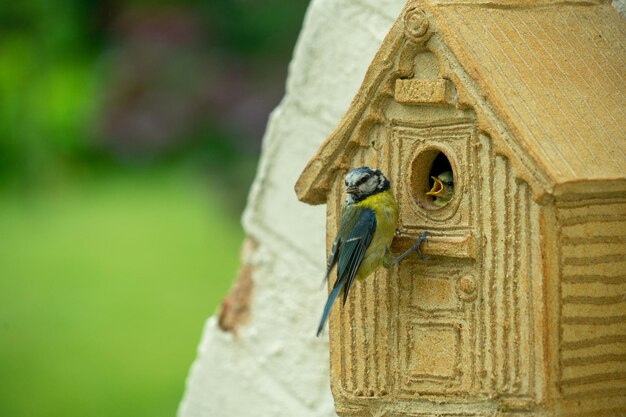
(416, 246)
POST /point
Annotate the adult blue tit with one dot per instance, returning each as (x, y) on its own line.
(443, 188)
(366, 229)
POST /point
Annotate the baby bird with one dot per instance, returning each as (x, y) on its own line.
(366, 229)
(443, 188)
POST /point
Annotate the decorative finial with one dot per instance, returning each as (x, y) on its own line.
(416, 25)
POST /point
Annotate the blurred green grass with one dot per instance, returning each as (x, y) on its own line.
(113, 250)
(105, 282)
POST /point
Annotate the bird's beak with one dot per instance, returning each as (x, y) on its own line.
(437, 189)
(352, 190)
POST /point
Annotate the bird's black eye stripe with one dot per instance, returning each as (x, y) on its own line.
(361, 180)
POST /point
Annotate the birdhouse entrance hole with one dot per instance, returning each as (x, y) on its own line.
(429, 163)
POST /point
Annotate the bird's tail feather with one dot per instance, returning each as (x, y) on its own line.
(329, 303)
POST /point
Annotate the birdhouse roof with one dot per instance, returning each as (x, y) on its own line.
(553, 73)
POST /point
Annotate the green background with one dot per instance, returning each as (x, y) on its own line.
(129, 135)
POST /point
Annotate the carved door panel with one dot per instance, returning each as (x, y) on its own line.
(435, 322)
(437, 314)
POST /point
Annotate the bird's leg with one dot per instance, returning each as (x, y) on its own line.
(389, 263)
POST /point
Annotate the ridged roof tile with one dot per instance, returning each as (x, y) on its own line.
(556, 74)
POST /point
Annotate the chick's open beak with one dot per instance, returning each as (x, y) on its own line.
(438, 187)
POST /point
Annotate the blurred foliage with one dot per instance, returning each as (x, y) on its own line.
(47, 86)
(86, 83)
(129, 134)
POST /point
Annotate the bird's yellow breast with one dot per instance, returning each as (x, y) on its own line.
(386, 210)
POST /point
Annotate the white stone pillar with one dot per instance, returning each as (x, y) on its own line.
(269, 362)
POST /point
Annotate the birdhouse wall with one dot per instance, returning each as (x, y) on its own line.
(468, 322)
(510, 347)
(592, 313)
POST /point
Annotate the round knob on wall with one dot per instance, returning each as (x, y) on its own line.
(467, 288)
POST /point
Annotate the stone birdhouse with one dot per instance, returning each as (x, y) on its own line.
(520, 309)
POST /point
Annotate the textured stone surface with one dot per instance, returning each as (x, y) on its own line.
(519, 310)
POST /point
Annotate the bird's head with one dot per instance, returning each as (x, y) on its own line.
(363, 182)
(443, 188)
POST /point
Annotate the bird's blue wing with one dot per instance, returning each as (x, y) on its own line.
(356, 230)
(354, 246)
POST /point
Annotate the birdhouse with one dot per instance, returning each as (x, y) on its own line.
(520, 308)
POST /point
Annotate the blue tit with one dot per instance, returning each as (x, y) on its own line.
(366, 229)
(443, 188)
